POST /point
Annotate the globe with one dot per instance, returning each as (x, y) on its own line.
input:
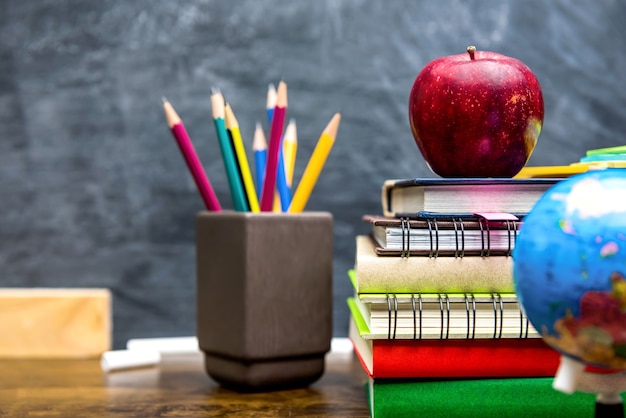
(569, 267)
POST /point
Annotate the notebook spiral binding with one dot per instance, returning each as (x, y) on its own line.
(459, 236)
(444, 306)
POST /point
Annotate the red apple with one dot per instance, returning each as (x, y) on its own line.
(476, 114)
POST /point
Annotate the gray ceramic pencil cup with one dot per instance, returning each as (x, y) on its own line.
(264, 297)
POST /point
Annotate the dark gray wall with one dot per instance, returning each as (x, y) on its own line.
(94, 192)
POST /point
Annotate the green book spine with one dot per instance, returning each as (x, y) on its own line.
(603, 157)
(620, 149)
(516, 397)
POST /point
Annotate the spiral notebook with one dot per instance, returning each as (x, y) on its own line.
(442, 316)
(436, 235)
(377, 274)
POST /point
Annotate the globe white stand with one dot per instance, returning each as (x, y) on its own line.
(571, 376)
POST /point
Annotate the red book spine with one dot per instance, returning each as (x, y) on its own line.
(462, 358)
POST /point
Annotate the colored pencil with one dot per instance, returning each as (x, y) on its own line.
(315, 165)
(191, 157)
(270, 101)
(282, 196)
(284, 192)
(270, 104)
(228, 155)
(232, 145)
(259, 148)
(276, 130)
(290, 148)
(233, 127)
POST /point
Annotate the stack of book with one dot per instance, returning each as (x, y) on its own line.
(435, 321)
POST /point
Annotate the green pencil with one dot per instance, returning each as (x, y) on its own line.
(228, 154)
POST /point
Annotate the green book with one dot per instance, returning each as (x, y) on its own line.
(602, 157)
(515, 397)
(620, 149)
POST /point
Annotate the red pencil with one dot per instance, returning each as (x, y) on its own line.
(191, 158)
(276, 132)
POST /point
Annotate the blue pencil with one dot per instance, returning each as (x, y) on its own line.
(270, 102)
(284, 192)
(259, 147)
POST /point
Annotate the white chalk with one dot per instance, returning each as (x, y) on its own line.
(174, 345)
(341, 346)
(127, 359)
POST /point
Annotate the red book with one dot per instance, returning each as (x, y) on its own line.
(460, 358)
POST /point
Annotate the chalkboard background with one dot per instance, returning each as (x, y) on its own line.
(94, 192)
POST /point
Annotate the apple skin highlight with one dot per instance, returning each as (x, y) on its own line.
(477, 114)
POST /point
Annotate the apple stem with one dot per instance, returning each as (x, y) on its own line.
(470, 50)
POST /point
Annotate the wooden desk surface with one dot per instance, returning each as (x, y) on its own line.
(178, 387)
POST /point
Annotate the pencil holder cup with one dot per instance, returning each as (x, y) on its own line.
(264, 297)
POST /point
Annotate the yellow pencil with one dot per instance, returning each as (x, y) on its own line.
(290, 148)
(233, 126)
(315, 165)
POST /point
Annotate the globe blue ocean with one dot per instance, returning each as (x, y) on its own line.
(569, 267)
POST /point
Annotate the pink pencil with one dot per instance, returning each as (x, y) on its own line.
(276, 132)
(191, 158)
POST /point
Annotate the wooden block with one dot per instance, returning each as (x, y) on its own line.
(54, 323)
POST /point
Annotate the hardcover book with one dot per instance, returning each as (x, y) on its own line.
(466, 358)
(514, 397)
(462, 195)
